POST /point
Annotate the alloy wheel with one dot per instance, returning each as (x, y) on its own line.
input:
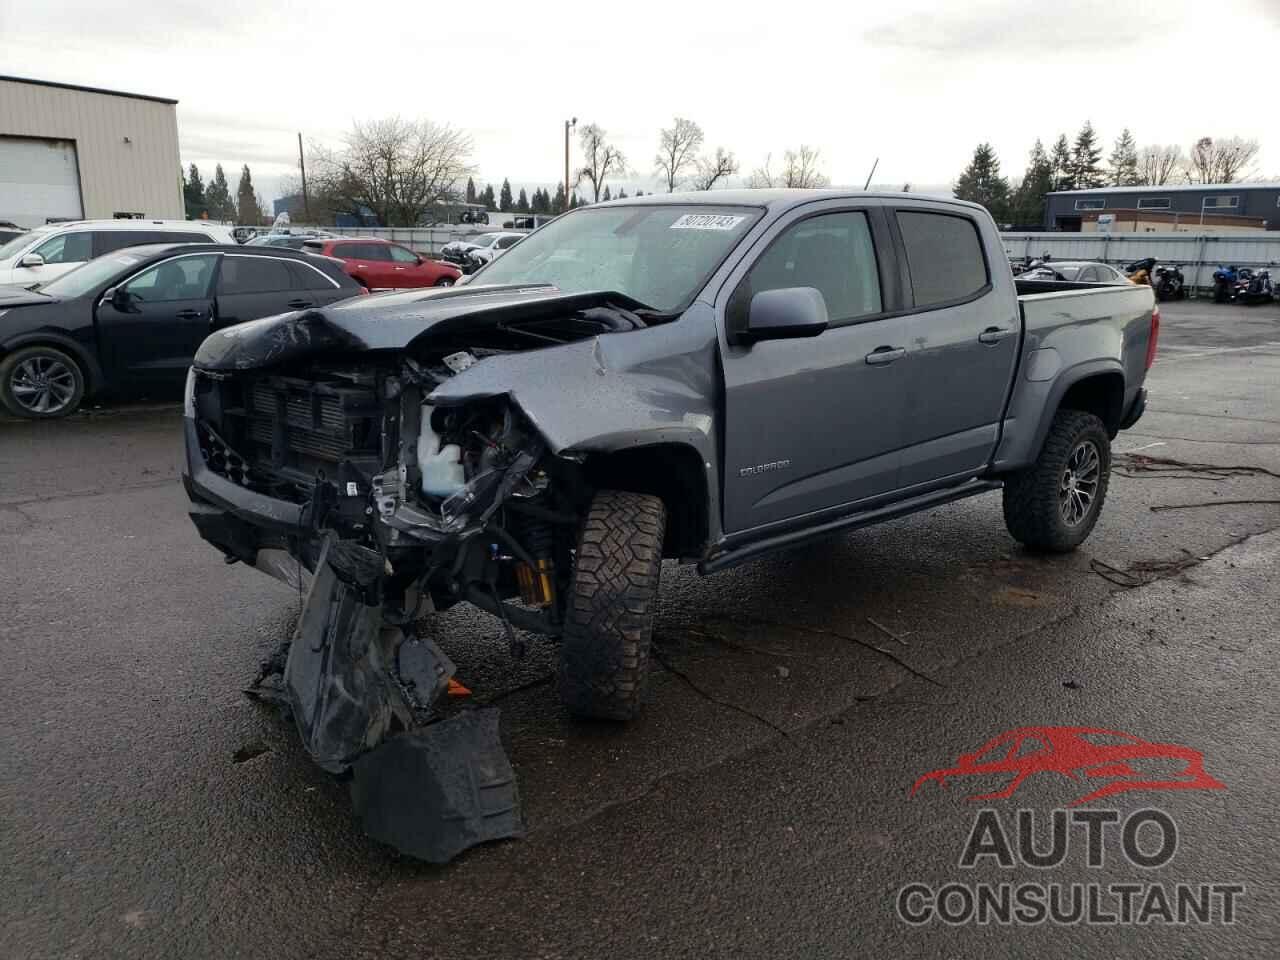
(43, 384)
(1079, 485)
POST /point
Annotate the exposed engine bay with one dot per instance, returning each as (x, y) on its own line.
(391, 505)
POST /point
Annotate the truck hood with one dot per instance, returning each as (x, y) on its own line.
(394, 321)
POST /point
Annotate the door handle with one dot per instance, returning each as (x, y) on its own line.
(189, 314)
(299, 304)
(882, 355)
(995, 334)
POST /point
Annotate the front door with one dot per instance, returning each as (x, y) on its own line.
(965, 332)
(151, 329)
(816, 423)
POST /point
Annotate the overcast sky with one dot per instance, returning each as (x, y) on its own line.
(915, 83)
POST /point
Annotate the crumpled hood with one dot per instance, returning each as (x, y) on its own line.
(386, 322)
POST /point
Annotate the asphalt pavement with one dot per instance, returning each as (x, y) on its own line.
(763, 804)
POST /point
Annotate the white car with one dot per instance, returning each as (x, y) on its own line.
(44, 253)
(483, 247)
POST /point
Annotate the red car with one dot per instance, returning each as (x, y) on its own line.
(381, 264)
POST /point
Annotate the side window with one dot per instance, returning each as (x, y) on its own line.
(944, 254)
(347, 251)
(833, 253)
(377, 251)
(308, 278)
(401, 255)
(1088, 275)
(192, 238)
(67, 248)
(109, 241)
(507, 242)
(186, 278)
(253, 275)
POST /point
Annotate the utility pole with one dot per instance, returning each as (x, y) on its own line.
(302, 165)
(568, 126)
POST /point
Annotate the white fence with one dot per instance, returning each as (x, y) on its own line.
(424, 240)
(1198, 255)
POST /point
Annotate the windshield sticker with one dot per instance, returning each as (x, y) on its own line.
(706, 221)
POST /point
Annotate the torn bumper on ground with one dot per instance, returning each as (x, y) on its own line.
(357, 687)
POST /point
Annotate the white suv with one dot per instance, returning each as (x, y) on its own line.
(48, 252)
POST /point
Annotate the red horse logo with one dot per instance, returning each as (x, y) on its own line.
(1079, 753)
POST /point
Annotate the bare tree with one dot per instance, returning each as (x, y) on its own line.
(799, 169)
(602, 158)
(398, 169)
(678, 147)
(1158, 165)
(711, 170)
(1220, 161)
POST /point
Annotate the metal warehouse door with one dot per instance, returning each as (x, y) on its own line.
(39, 180)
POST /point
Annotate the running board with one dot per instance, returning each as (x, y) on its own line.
(853, 521)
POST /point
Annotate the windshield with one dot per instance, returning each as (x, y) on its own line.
(87, 279)
(660, 255)
(20, 241)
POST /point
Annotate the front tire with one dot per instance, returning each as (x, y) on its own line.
(444, 282)
(41, 383)
(1053, 504)
(613, 594)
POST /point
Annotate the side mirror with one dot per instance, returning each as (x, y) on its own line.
(785, 315)
(31, 260)
(118, 297)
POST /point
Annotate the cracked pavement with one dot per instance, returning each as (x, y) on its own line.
(760, 806)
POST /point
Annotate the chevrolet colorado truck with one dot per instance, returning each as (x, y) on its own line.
(705, 377)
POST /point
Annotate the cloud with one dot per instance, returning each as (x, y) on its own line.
(1007, 29)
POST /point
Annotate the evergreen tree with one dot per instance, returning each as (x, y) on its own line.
(1060, 159)
(193, 194)
(557, 205)
(541, 201)
(574, 202)
(522, 202)
(981, 183)
(218, 196)
(1124, 161)
(1028, 201)
(606, 195)
(471, 190)
(639, 193)
(1086, 159)
(504, 197)
(622, 194)
(247, 209)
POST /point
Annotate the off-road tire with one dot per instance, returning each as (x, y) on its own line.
(1032, 506)
(613, 594)
(71, 379)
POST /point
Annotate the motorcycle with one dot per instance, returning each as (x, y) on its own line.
(1225, 280)
(1254, 287)
(1170, 284)
(1140, 270)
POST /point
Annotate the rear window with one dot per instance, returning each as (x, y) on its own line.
(944, 254)
(310, 278)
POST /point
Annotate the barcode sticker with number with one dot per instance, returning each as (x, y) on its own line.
(707, 221)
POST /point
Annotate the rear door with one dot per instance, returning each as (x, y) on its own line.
(381, 269)
(406, 270)
(965, 333)
(252, 286)
(815, 424)
(151, 336)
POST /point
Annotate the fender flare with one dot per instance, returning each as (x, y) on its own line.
(1065, 380)
(95, 379)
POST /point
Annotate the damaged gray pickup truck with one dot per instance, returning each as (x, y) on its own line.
(702, 377)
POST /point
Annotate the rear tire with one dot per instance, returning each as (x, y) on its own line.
(41, 383)
(604, 653)
(445, 282)
(1053, 504)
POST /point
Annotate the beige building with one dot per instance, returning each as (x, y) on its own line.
(69, 152)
